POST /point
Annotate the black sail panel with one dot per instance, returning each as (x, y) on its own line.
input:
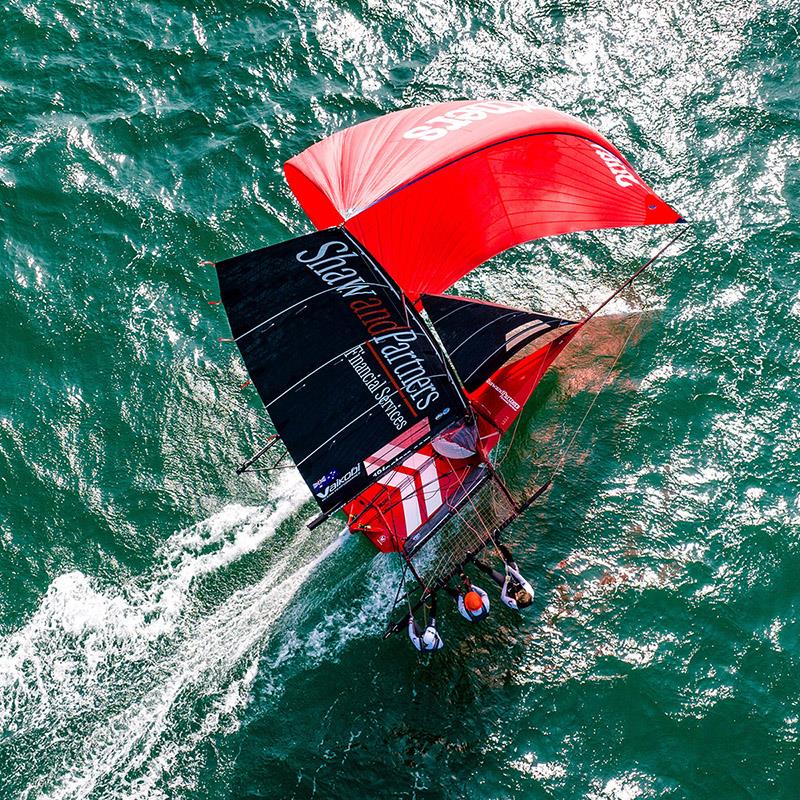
(480, 337)
(347, 370)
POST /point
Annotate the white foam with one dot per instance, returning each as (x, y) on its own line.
(129, 666)
(344, 625)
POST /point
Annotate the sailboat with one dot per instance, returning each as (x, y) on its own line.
(388, 394)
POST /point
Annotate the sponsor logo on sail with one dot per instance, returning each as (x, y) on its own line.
(333, 487)
(331, 264)
(622, 174)
(379, 387)
(504, 396)
(457, 118)
(397, 351)
(325, 480)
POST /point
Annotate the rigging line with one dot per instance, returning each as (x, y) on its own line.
(443, 581)
(602, 305)
(404, 554)
(481, 411)
(633, 329)
(510, 443)
(636, 274)
(470, 553)
(403, 586)
(452, 506)
(417, 576)
(517, 511)
(506, 492)
(469, 496)
(560, 464)
(479, 541)
(549, 345)
(400, 585)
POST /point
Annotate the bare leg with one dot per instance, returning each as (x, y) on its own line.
(432, 612)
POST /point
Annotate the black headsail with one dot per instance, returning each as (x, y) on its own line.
(480, 337)
(344, 365)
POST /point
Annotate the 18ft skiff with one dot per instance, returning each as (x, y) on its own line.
(384, 420)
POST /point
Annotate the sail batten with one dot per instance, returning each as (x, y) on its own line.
(480, 337)
(345, 368)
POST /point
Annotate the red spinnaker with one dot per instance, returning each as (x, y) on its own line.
(434, 191)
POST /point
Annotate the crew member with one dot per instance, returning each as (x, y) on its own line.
(516, 592)
(428, 639)
(473, 602)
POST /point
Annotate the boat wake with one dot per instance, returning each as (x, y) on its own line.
(151, 670)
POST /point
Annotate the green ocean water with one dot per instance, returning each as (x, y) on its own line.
(168, 630)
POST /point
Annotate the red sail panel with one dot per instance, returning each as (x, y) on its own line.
(434, 191)
(501, 398)
(407, 497)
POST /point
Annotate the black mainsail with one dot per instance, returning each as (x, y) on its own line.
(346, 368)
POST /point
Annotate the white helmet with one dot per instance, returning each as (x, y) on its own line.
(430, 637)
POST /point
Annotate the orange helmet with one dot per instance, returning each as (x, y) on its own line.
(473, 602)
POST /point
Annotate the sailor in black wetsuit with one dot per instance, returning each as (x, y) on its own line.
(427, 639)
(516, 592)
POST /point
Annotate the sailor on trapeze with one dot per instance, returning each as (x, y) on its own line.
(428, 639)
(473, 602)
(516, 592)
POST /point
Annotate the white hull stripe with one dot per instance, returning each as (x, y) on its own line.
(429, 480)
(411, 509)
(394, 448)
